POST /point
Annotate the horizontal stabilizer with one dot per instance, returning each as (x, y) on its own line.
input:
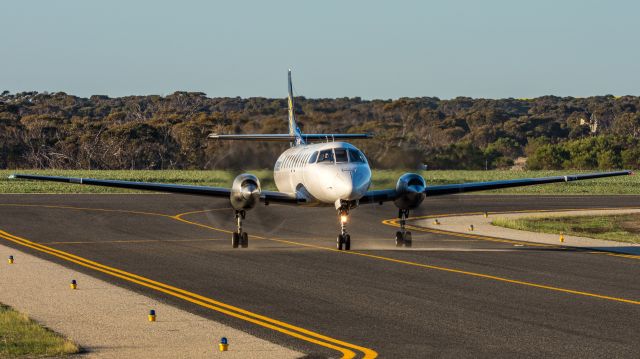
(285, 137)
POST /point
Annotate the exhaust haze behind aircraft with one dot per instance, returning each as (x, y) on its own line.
(329, 173)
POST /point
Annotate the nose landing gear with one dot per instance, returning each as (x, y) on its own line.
(403, 237)
(344, 240)
(240, 238)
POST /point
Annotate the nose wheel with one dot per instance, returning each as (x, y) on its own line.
(403, 237)
(344, 239)
(240, 238)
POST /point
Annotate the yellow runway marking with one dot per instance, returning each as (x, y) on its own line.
(201, 211)
(632, 256)
(501, 279)
(428, 266)
(106, 210)
(135, 241)
(343, 347)
(179, 216)
(84, 209)
(268, 322)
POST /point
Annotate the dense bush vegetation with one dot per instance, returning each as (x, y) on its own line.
(41, 130)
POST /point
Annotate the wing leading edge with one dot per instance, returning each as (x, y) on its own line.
(391, 194)
(266, 196)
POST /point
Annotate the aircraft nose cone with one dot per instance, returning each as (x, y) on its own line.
(351, 185)
(343, 186)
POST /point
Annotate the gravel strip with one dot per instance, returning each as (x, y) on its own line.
(111, 322)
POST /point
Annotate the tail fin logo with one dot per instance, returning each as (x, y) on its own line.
(293, 127)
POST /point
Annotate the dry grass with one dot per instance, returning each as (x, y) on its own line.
(621, 228)
(21, 337)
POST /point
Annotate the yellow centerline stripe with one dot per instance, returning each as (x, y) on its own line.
(368, 352)
(202, 211)
(501, 279)
(201, 300)
(106, 209)
(444, 269)
(84, 209)
(136, 241)
(179, 216)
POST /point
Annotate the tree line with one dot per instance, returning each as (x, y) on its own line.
(57, 130)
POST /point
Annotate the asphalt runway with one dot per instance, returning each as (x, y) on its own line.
(448, 296)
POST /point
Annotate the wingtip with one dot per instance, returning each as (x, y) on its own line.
(12, 176)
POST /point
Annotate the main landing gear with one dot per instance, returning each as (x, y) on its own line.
(402, 236)
(344, 240)
(240, 238)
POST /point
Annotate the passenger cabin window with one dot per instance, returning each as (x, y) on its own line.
(341, 155)
(313, 157)
(325, 156)
(356, 156)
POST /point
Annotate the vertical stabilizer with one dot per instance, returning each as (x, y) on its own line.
(293, 127)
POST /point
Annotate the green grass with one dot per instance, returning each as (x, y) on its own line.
(21, 337)
(621, 228)
(381, 179)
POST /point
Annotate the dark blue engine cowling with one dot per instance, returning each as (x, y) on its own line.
(410, 191)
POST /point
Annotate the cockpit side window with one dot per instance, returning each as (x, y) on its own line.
(356, 156)
(341, 155)
(325, 156)
(313, 157)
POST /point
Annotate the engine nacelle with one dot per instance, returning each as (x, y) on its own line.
(410, 190)
(245, 192)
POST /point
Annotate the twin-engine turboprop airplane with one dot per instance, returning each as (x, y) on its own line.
(329, 173)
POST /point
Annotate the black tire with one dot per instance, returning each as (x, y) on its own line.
(347, 242)
(407, 239)
(399, 239)
(339, 242)
(235, 240)
(244, 240)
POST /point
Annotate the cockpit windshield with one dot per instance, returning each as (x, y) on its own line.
(325, 156)
(313, 157)
(341, 155)
(356, 156)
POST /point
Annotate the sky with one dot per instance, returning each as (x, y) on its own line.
(370, 49)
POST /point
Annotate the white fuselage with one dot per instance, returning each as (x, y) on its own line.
(324, 173)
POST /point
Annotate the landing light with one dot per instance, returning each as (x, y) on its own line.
(343, 218)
